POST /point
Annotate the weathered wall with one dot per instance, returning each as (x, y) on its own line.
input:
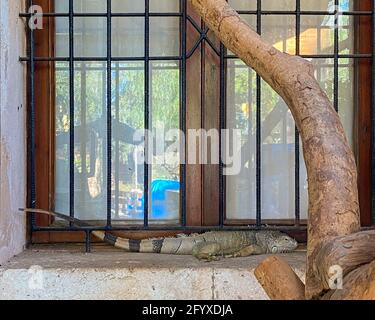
(13, 132)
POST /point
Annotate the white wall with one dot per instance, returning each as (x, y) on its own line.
(13, 130)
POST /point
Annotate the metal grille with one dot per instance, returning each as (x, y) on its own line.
(185, 54)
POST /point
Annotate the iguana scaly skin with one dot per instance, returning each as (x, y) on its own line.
(209, 245)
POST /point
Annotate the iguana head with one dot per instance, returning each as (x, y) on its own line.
(276, 241)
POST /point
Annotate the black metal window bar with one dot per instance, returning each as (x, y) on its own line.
(32, 59)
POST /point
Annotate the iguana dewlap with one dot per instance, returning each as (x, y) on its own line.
(209, 245)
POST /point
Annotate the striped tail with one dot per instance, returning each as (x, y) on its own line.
(179, 245)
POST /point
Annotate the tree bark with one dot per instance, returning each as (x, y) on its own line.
(346, 253)
(331, 169)
(279, 280)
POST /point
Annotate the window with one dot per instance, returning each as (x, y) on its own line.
(133, 61)
(119, 67)
(268, 188)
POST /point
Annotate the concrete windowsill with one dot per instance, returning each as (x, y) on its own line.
(66, 272)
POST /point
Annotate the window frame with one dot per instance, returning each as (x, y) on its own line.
(202, 199)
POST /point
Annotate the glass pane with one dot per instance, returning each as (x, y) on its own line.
(61, 6)
(90, 37)
(346, 34)
(318, 5)
(323, 70)
(282, 5)
(241, 112)
(128, 6)
(62, 137)
(280, 31)
(346, 102)
(90, 160)
(90, 6)
(317, 35)
(241, 5)
(348, 5)
(347, 31)
(128, 37)
(164, 5)
(278, 158)
(164, 36)
(251, 20)
(165, 119)
(327, 5)
(62, 36)
(128, 116)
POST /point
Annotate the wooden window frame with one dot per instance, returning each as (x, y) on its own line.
(202, 181)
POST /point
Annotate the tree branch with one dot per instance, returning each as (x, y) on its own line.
(331, 169)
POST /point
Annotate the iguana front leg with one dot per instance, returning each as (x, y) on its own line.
(250, 250)
(207, 251)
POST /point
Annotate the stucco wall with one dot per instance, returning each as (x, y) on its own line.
(12, 127)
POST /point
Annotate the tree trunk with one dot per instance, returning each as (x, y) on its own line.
(331, 169)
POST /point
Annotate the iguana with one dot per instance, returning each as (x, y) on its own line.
(209, 245)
